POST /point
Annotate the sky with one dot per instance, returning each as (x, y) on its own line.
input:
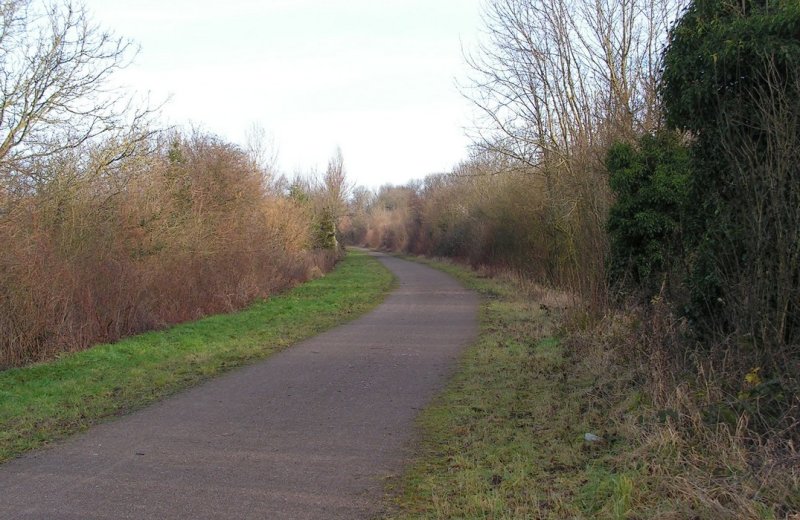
(377, 78)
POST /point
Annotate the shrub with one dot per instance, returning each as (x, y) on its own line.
(186, 231)
(650, 181)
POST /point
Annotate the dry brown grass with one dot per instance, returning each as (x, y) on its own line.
(686, 460)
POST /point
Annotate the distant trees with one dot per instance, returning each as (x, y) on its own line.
(333, 207)
(262, 151)
(326, 196)
(355, 225)
(491, 220)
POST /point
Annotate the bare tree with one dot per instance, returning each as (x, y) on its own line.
(260, 147)
(554, 83)
(559, 74)
(335, 185)
(55, 93)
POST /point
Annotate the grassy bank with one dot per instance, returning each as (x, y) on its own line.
(506, 440)
(48, 401)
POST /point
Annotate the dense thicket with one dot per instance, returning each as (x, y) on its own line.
(730, 218)
(732, 79)
(109, 227)
(188, 230)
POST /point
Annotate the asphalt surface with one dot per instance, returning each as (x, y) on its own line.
(310, 433)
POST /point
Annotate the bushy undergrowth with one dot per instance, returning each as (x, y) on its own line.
(94, 252)
(110, 226)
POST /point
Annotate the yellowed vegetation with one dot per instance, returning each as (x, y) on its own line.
(187, 230)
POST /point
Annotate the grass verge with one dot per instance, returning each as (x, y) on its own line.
(506, 439)
(49, 401)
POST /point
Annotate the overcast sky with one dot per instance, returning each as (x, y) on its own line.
(376, 77)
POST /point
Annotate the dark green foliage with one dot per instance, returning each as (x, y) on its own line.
(732, 80)
(716, 54)
(650, 182)
(299, 193)
(324, 231)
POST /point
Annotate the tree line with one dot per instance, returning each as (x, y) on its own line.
(110, 224)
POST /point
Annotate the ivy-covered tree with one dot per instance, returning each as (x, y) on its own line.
(731, 80)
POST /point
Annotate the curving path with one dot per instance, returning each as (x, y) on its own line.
(309, 433)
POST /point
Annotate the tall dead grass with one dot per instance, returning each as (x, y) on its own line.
(694, 446)
(95, 253)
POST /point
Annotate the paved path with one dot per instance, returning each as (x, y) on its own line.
(309, 433)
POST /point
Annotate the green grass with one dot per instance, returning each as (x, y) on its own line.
(48, 401)
(505, 440)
